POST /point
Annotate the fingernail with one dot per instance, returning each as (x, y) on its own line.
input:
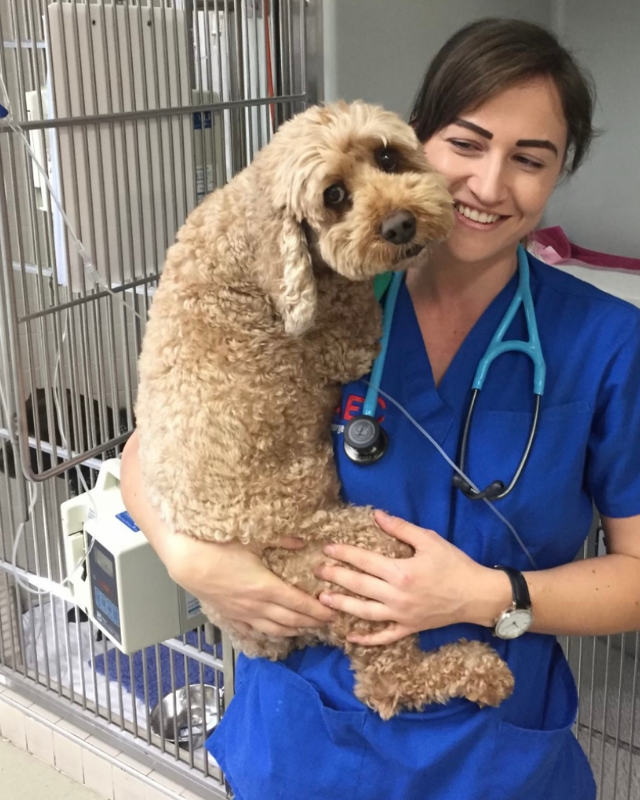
(326, 598)
(329, 549)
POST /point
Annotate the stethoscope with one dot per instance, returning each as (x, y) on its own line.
(365, 441)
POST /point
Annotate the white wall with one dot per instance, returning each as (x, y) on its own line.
(378, 50)
(599, 207)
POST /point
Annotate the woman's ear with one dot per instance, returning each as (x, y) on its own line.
(298, 296)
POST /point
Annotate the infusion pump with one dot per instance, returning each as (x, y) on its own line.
(122, 586)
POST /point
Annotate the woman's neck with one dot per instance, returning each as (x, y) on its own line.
(449, 296)
(445, 281)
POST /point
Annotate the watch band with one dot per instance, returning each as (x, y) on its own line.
(519, 588)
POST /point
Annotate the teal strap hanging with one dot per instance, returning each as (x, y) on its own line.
(381, 284)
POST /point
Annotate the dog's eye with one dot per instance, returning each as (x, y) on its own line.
(335, 195)
(387, 159)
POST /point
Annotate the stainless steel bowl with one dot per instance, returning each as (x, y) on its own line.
(175, 722)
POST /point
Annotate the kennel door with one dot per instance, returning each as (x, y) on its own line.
(127, 178)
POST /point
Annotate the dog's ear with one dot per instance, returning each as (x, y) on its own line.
(297, 300)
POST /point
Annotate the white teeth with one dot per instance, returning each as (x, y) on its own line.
(477, 216)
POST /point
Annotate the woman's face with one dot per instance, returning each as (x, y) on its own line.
(502, 161)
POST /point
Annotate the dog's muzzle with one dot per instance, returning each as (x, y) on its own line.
(399, 227)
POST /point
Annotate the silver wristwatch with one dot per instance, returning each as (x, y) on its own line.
(518, 618)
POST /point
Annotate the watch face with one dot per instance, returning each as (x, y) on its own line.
(513, 623)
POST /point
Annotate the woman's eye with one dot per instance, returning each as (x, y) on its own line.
(461, 144)
(335, 195)
(387, 159)
(528, 162)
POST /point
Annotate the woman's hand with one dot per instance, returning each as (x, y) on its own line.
(229, 577)
(233, 579)
(439, 585)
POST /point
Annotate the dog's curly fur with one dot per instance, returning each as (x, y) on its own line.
(264, 309)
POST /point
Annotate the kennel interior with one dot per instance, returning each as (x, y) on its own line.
(134, 110)
(122, 116)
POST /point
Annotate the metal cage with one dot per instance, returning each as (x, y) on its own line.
(134, 110)
(123, 114)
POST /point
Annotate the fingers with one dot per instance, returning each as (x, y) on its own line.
(286, 542)
(298, 601)
(391, 634)
(276, 620)
(241, 627)
(364, 609)
(261, 625)
(356, 582)
(271, 628)
(370, 563)
(403, 530)
(291, 543)
(281, 615)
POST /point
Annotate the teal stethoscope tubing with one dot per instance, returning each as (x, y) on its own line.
(498, 345)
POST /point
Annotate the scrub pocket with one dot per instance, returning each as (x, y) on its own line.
(279, 741)
(547, 763)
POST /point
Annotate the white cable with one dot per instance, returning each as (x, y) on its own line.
(459, 471)
(87, 260)
(52, 586)
(49, 586)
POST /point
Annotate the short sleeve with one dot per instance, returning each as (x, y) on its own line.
(613, 457)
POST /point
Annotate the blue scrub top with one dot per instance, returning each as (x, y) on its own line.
(295, 730)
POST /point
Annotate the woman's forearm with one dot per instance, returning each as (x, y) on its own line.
(228, 577)
(585, 598)
(146, 517)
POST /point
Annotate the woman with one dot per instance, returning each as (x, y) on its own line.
(504, 113)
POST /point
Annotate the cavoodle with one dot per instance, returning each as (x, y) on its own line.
(265, 307)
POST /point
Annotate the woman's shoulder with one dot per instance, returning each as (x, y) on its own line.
(570, 295)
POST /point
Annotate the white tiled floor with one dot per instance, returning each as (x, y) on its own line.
(25, 777)
(43, 757)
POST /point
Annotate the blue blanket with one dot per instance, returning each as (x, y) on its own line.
(157, 665)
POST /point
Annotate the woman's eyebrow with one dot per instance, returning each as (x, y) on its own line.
(545, 143)
(473, 127)
(538, 143)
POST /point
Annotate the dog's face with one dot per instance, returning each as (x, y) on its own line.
(356, 177)
(354, 192)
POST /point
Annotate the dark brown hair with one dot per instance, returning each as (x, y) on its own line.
(491, 55)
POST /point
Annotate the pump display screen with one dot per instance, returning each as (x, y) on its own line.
(104, 588)
(104, 563)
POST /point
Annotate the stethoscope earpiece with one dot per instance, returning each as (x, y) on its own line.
(364, 440)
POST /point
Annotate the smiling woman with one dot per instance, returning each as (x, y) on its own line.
(503, 159)
(503, 113)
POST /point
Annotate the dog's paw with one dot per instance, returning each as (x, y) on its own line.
(491, 689)
(487, 680)
(382, 696)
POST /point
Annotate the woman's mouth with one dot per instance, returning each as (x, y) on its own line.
(479, 220)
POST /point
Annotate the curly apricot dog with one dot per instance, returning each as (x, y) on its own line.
(264, 309)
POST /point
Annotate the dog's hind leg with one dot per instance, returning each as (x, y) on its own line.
(401, 676)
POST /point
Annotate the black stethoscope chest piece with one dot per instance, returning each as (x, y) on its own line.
(364, 440)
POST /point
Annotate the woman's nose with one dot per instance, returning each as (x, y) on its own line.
(488, 182)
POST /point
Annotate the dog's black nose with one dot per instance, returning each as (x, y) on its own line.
(399, 227)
